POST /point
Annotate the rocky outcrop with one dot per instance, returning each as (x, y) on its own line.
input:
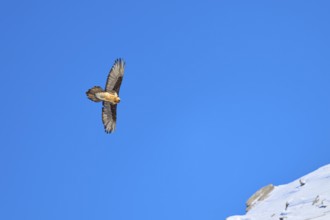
(260, 195)
(306, 198)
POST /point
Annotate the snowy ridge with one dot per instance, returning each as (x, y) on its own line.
(306, 198)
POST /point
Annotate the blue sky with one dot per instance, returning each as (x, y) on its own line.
(219, 99)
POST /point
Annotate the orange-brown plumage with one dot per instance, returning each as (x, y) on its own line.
(109, 96)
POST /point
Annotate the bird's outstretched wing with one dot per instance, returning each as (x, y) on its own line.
(109, 116)
(115, 76)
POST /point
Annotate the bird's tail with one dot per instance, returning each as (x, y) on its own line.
(91, 93)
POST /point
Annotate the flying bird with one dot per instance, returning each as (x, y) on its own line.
(109, 96)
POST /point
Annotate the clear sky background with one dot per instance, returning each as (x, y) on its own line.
(219, 99)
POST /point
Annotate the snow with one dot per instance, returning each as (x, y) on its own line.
(306, 198)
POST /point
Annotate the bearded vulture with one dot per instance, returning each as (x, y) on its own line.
(109, 96)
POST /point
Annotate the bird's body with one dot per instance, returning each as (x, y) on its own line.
(109, 96)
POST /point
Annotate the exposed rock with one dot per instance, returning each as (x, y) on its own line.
(302, 182)
(307, 198)
(260, 195)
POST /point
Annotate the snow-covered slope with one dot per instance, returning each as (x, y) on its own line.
(306, 198)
